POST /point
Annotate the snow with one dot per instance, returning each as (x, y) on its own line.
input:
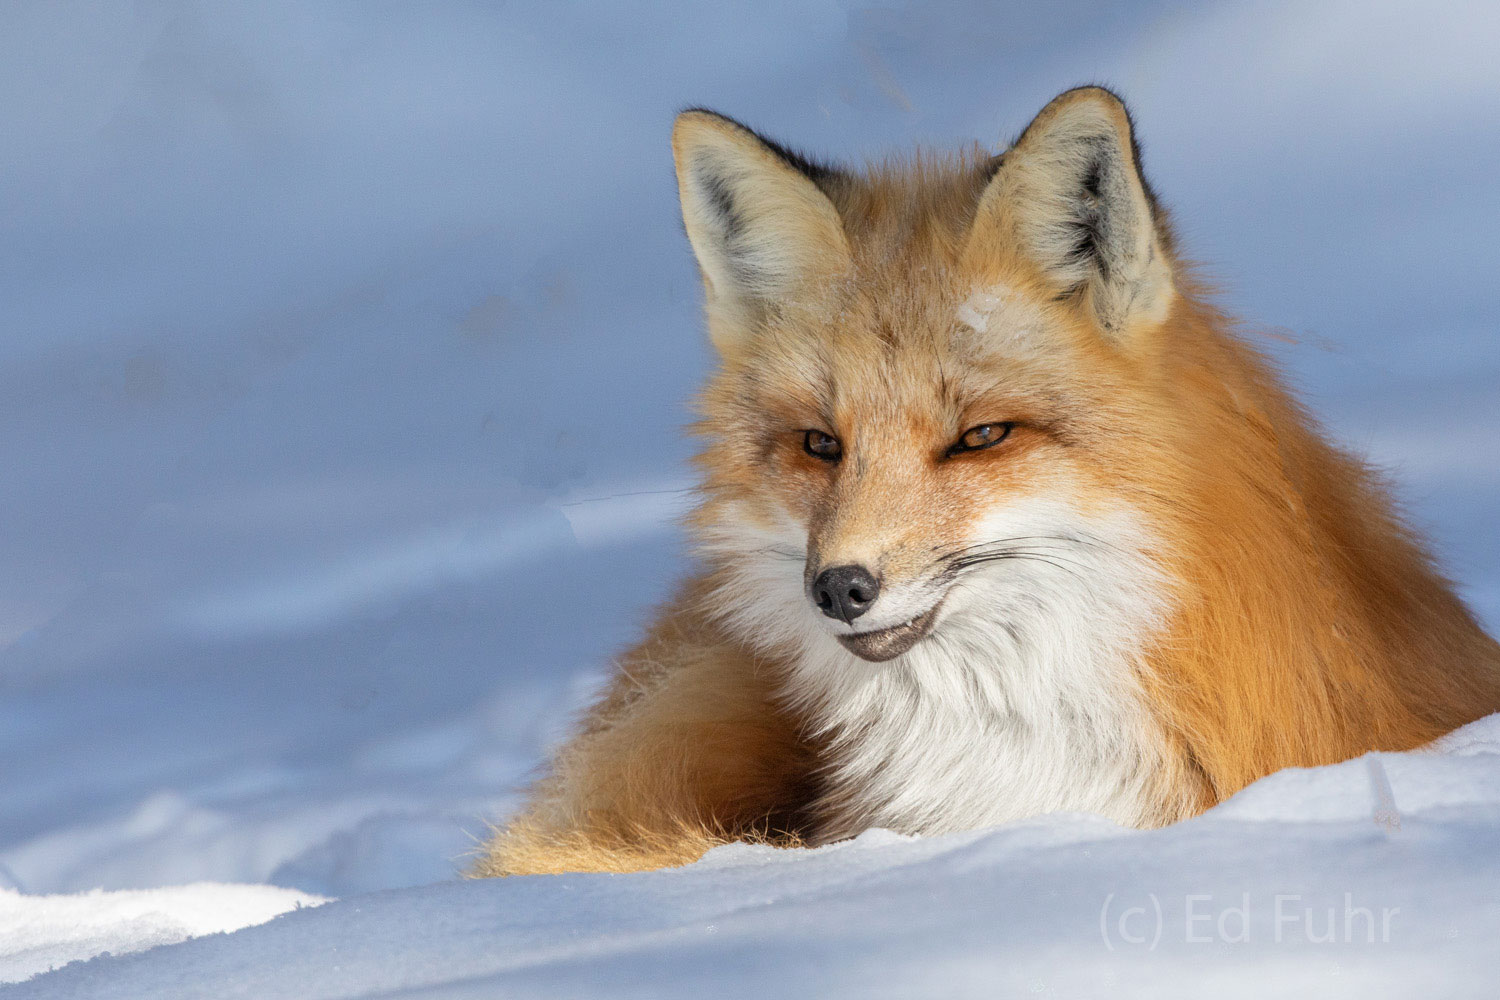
(1342, 879)
(38, 933)
(343, 360)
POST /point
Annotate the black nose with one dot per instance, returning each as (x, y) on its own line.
(845, 592)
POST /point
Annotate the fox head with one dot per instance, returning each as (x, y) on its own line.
(939, 393)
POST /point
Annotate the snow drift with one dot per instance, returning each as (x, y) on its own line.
(344, 355)
(1371, 877)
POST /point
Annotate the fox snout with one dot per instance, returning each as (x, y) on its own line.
(844, 592)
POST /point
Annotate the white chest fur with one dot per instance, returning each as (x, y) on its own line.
(974, 727)
(1025, 699)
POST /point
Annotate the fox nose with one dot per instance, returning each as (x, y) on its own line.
(845, 592)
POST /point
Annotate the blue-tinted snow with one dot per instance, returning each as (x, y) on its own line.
(344, 354)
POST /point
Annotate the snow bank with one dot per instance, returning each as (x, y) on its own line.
(38, 933)
(1371, 877)
(344, 355)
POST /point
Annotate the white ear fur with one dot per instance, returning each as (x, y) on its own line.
(760, 227)
(1070, 196)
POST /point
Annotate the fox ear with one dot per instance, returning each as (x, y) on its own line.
(760, 226)
(1069, 195)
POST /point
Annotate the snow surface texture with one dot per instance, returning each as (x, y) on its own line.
(38, 933)
(343, 356)
(1335, 882)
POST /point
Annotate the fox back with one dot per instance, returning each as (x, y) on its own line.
(999, 516)
(1024, 522)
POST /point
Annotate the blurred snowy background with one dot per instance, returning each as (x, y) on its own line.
(344, 351)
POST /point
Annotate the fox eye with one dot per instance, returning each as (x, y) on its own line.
(981, 437)
(820, 445)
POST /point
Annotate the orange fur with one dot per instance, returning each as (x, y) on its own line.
(1313, 625)
(1307, 623)
(685, 750)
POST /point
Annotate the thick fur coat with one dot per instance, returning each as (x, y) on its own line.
(999, 516)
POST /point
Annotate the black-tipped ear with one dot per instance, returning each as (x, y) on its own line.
(762, 229)
(1070, 197)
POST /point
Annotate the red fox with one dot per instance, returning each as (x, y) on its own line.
(999, 516)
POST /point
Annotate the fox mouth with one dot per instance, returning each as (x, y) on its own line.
(889, 643)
